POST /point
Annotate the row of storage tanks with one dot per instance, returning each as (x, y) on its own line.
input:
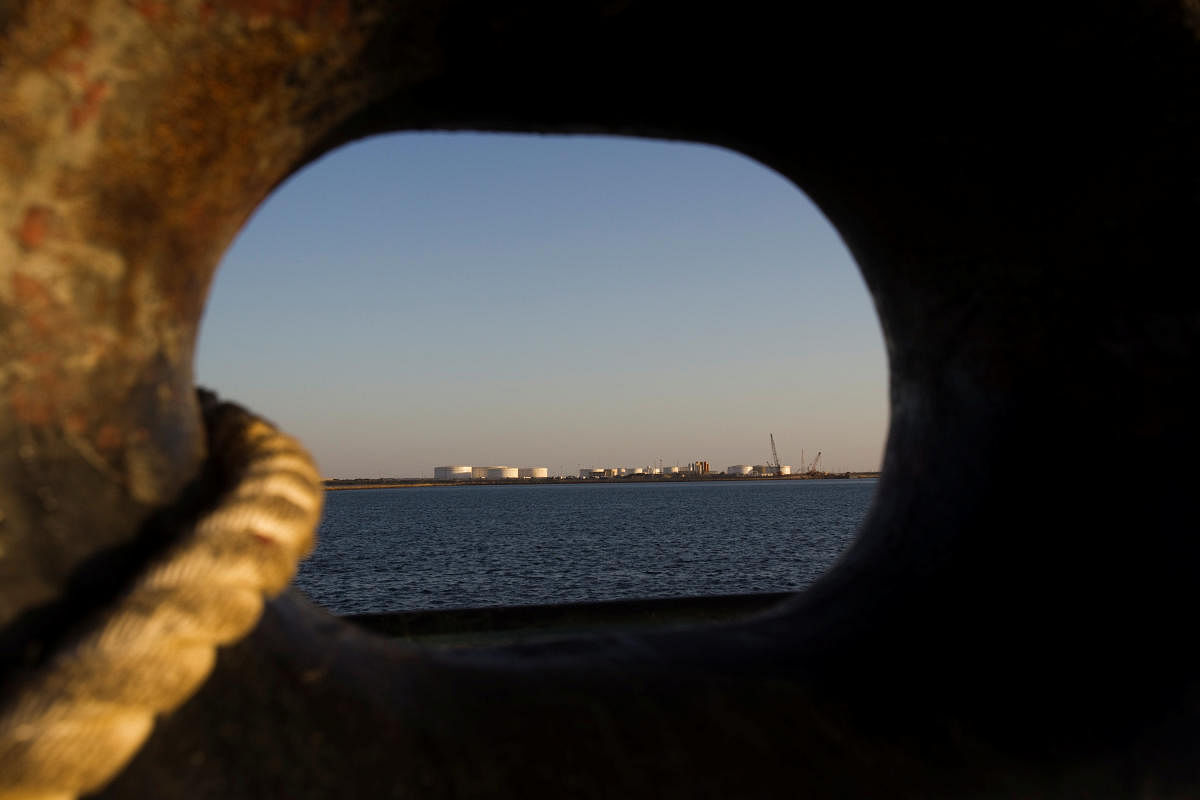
(697, 467)
(621, 472)
(758, 469)
(464, 472)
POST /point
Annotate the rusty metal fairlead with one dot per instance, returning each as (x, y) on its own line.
(1019, 187)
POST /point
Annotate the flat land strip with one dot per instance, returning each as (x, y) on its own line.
(338, 484)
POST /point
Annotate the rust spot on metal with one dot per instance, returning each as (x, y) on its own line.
(81, 36)
(151, 10)
(35, 300)
(87, 108)
(48, 319)
(29, 291)
(75, 423)
(77, 71)
(34, 400)
(79, 40)
(33, 229)
(109, 437)
(193, 166)
(42, 325)
(30, 406)
(260, 13)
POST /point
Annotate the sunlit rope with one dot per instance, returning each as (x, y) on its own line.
(82, 717)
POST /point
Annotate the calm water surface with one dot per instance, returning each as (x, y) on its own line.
(445, 547)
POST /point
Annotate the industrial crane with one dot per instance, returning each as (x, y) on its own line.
(816, 463)
(775, 457)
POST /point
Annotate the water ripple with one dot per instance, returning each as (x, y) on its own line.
(444, 547)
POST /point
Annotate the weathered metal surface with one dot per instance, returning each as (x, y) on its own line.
(1020, 187)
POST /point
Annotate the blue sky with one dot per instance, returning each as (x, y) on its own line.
(425, 299)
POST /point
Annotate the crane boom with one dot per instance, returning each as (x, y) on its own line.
(775, 455)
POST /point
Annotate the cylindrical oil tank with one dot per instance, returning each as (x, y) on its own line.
(637, 470)
(501, 473)
(534, 472)
(739, 469)
(457, 472)
(656, 470)
(479, 472)
(672, 470)
(785, 469)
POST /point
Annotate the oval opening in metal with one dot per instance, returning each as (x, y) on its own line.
(418, 301)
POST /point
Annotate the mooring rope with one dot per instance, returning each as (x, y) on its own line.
(85, 714)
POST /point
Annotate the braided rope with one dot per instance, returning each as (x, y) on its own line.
(85, 715)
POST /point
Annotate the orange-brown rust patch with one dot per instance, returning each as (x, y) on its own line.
(34, 227)
(79, 40)
(86, 109)
(53, 323)
(34, 401)
(260, 13)
(216, 133)
(109, 437)
(29, 291)
(151, 10)
(75, 423)
(30, 406)
(81, 36)
(35, 300)
(77, 71)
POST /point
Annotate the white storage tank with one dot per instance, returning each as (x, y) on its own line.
(479, 473)
(501, 473)
(656, 470)
(588, 472)
(739, 469)
(672, 470)
(785, 469)
(456, 472)
(534, 472)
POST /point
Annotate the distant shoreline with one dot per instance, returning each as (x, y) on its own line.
(342, 484)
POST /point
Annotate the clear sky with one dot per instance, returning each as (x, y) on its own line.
(424, 299)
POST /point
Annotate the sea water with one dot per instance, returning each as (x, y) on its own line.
(468, 546)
